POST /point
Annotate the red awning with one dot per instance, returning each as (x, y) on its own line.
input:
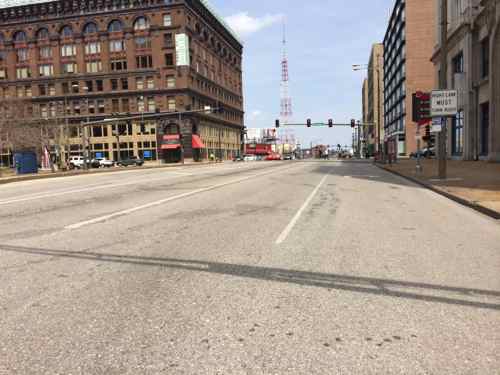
(170, 147)
(197, 142)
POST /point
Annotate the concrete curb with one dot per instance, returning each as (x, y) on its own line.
(8, 180)
(484, 210)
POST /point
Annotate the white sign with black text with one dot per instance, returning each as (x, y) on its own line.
(444, 103)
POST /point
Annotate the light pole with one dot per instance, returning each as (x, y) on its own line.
(181, 137)
(443, 77)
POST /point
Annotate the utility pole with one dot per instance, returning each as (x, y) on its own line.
(443, 86)
(181, 138)
(360, 154)
(84, 147)
(220, 146)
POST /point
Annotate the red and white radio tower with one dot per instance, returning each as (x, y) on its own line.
(286, 100)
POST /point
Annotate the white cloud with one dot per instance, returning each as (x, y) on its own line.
(256, 113)
(245, 25)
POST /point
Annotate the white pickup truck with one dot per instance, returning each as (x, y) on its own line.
(76, 162)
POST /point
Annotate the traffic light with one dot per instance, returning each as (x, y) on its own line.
(353, 123)
(122, 129)
(309, 124)
(427, 137)
(277, 124)
(330, 123)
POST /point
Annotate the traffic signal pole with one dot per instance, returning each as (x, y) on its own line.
(332, 125)
(442, 167)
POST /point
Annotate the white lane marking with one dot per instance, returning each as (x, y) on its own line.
(31, 197)
(91, 188)
(162, 201)
(283, 236)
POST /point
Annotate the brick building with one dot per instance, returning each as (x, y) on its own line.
(368, 139)
(376, 95)
(408, 47)
(92, 60)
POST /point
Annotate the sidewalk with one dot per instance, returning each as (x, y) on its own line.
(474, 183)
(8, 176)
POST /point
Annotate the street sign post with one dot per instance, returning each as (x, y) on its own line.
(444, 103)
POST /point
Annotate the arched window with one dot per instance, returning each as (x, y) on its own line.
(141, 23)
(42, 34)
(20, 36)
(115, 25)
(171, 129)
(66, 31)
(90, 28)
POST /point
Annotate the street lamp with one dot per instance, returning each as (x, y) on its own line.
(84, 130)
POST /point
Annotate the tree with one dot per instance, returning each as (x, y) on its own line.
(24, 129)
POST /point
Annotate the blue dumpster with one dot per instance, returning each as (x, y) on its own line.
(25, 162)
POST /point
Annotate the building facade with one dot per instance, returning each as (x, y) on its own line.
(474, 71)
(86, 61)
(376, 97)
(367, 136)
(408, 47)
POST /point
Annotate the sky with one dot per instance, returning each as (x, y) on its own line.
(325, 38)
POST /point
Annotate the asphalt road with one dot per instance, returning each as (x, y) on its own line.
(251, 268)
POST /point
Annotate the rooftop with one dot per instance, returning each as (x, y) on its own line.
(210, 8)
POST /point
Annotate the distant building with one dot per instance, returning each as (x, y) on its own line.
(408, 47)
(474, 71)
(261, 135)
(376, 96)
(89, 60)
(368, 136)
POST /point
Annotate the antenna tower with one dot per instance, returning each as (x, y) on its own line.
(286, 100)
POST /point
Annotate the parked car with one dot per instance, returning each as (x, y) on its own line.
(273, 157)
(133, 160)
(105, 163)
(77, 162)
(238, 158)
(250, 158)
(424, 153)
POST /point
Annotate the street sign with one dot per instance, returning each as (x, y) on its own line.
(444, 103)
(437, 124)
(421, 103)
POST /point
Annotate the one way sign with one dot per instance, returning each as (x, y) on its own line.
(444, 103)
